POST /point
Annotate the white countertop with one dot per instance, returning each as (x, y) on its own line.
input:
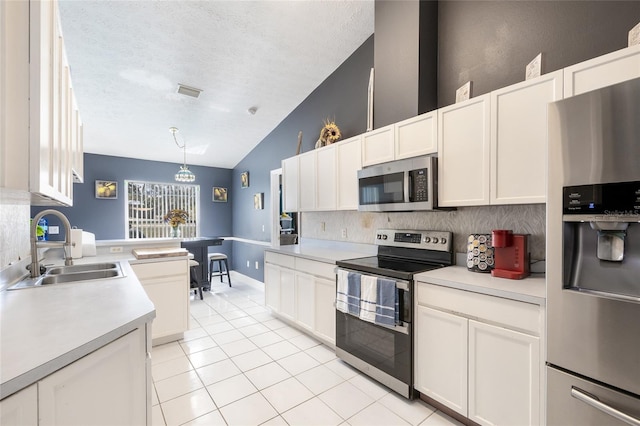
(46, 328)
(530, 290)
(328, 252)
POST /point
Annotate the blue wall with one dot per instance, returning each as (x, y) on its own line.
(341, 97)
(106, 218)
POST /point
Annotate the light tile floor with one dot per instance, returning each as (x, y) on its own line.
(239, 365)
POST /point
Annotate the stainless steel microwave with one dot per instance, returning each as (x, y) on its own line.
(401, 185)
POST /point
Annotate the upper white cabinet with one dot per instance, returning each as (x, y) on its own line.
(326, 177)
(378, 146)
(290, 176)
(307, 183)
(602, 71)
(409, 138)
(518, 161)
(416, 136)
(38, 104)
(464, 153)
(349, 161)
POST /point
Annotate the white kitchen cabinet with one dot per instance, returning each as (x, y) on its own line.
(166, 283)
(441, 351)
(302, 291)
(416, 136)
(518, 163)
(605, 70)
(77, 143)
(504, 376)
(20, 408)
(326, 177)
(349, 161)
(290, 188)
(464, 153)
(307, 181)
(480, 355)
(36, 104)
(108, 386)
(378, 146)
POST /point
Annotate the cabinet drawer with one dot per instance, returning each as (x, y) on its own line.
(160, 269)
(279, 259)
(321, 269)
(506, 312)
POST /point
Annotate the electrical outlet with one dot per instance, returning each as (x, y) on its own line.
(257, 265)
(323, 226)
(344, 232)
(248, 264)
(115, 249)
(54, 230)
(262, 228)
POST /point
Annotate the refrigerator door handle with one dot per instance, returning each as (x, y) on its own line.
(595, 403)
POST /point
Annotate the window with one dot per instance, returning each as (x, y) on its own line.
(147, 203)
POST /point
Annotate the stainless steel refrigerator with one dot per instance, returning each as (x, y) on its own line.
(593, 258)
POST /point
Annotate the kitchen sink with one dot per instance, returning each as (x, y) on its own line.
(80, 268)
(71, 274)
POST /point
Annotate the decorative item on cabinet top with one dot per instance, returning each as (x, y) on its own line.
(329, 134)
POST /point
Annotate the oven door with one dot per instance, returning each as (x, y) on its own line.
(383, 353)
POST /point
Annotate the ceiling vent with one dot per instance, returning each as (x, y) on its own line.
(189, 91)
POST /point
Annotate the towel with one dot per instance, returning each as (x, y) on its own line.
(342, 288)
(387, 305)
(368, 298)
(353, 293)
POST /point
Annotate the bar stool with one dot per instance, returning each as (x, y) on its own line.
(219, 257)
(194, 282)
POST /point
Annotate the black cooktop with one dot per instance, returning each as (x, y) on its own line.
(388, 266)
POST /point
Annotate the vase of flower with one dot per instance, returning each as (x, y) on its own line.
(175, 232)
(175, 218)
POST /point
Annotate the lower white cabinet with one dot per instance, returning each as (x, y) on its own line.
(110, 386)
(20, 408)
(166, 283)
(303, 292)
(480, 355)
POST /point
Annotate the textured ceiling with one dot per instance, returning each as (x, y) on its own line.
(127, 58)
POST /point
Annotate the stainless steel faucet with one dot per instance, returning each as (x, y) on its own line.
(66, 244)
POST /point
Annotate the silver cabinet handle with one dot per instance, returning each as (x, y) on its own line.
(595, 403)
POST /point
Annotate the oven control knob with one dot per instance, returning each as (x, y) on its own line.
(435, 240)
(427, 239)
(384, 237)
(379, 236)
(443, 241)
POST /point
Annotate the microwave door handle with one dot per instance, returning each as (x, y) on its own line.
(408, 187)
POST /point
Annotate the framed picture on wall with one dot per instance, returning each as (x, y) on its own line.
(258, 201)
(106, 189)
(219, 194)
(244, 179)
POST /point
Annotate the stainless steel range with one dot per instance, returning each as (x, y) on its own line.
(374, 303)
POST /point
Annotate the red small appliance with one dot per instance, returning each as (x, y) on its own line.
(511, 254)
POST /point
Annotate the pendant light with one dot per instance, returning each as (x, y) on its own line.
(184, 174)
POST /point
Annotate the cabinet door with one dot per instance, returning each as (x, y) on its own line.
(20, 409)
(417, 136)
(349, 161)
(441, 357)
(504, 376)
(108, 386)
(326, 179)
(464, 153)
(287, 293)
(378, 146)
(602, 71)
(290, 184)
(307, 181)
(325, 311)
(519, 139)
(305, 300)
(272, 286)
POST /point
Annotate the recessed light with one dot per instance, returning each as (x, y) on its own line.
(252, 110)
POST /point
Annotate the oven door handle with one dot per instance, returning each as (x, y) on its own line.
(607, 409)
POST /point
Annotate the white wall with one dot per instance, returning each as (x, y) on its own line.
(361, 226)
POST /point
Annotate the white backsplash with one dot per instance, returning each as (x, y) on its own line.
(361, 226)
(15, 211)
